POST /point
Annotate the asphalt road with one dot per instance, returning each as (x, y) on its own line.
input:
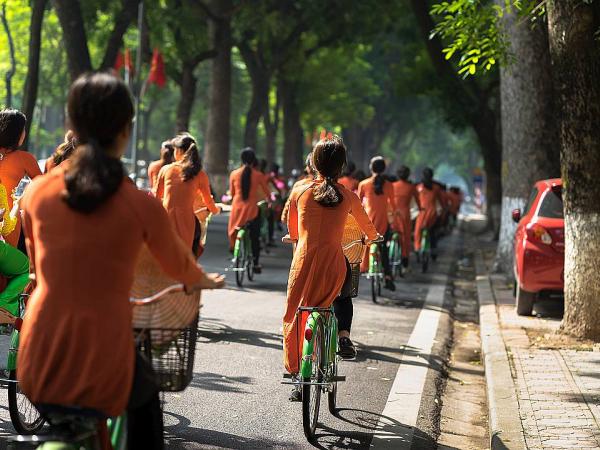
(236, 399)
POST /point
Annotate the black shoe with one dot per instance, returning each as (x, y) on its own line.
(257, 269)
(346, 348)
(389, 285)
(296, 394)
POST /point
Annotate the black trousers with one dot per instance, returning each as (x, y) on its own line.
(342, 305)
(144, 412)
(383, 251)
(254, 228)
(197, 234)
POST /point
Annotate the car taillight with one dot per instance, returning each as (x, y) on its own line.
(538, 233)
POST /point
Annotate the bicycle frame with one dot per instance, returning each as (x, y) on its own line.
(242, 238)
(425, 242)
(375, 269)
(330, 326)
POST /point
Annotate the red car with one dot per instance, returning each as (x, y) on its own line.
(539, 245)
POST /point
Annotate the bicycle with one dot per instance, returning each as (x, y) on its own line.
(243, 259)
(319, 360)
(171, 352)
(425, 251)
(375, 273)
(263, 207)
(25, 417)
(395, 255)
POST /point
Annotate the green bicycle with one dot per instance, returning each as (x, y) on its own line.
(395, 255)
(243, 260)
(375, 273)
(425, 251)
(263, 207)
(171, 352)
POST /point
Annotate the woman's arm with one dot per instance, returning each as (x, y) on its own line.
(30, 165)
(292, 220)
(204, 190)
(359, 213)
(159, 189)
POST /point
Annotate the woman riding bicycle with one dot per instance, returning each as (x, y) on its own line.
(429, 200)
(246, 185)
(85, 224)
(348, 180)
(377, 195)
(62, 152)
(404, 193)
(320, 274)
(14, 164)
(179, 184)
(166, 157)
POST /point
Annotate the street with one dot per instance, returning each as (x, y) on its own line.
(236, 399)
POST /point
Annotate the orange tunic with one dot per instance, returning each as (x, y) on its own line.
(14, 166)
(429, 199)
(153, 170)
(298, 184)
(377, 207)
(318, 269)
(404, 192)
(178, 198)
(76, 344)
(244, 211)
(348, 182)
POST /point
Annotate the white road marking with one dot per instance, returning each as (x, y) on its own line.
(396, 426)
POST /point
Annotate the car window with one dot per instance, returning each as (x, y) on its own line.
(552, 205)
(532, 197)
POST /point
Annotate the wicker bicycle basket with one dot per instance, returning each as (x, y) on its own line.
(166, 331)
(354, 252)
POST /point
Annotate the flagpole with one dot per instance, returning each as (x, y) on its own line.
(138, 97)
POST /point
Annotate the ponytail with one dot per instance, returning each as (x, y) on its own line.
(92, 179)
(327, 193)
(246, 179)
(378, 184)
(191, 165)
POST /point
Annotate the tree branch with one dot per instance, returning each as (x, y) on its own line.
(129, 9)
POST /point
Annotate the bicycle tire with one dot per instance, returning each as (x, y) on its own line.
(333, 364)
(311, 395)
(332, 395)
(424, 262)
(374, 288)
(22, 425)
(239, 263)
(379, 286)
(249, 260)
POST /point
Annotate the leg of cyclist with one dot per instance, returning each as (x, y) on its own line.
(197, 247)
(344, 311)
(385, 260)
(255, 239)
(15, 266)
(144, 414)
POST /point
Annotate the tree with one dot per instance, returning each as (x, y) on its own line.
(574, 49)
(33, 62)
(530, 150)
(11, 72)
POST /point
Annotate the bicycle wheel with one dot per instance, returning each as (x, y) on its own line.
(311, 394)
(332, 396)
(249, 262)
(332, 361)
(425, 261)
(239, 265)
(379, 286)
(24, 416)
(374, 289)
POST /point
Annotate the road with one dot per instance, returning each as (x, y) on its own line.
(236, 399)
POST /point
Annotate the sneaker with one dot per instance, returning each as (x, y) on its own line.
(346, 348)
(389, 285)
(296, 394)
(257, 269)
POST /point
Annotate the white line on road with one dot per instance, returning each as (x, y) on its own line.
(396, 426)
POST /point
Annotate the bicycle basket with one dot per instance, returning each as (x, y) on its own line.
(355, 268)
(352, 232)
(172, 354)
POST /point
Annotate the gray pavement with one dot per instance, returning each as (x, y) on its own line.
(236, 399)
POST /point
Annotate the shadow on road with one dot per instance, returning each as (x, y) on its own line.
(216, 382)
(212, 330)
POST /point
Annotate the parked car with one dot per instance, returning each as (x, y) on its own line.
(539, 245)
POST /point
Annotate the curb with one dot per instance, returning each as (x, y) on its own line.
(506, 430)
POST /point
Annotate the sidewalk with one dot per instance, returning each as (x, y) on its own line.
(554, 382)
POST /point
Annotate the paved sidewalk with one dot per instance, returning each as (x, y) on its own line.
(556, 379)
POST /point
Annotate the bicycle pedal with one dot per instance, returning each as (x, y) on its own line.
(287, 375)
(339, 378)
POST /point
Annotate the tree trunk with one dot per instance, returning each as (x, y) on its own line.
(293, 135)
(33, 63)
(13, 64)
(219, 114)
(271, 128)
(530, 150)
(71, 22)
(187, 94)
(574, 48)
(129, 10)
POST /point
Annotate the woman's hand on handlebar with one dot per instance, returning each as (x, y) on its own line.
(368, 241)
(212, 281)
(288, 240)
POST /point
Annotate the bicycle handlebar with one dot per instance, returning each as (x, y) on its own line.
(175, 288)
(287, 240)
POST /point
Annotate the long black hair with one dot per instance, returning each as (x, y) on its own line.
(12, 125)
(427, 178)
(403, 173)
(99, 107)
(166, 153)
(248, 158)
(378, 167)
(329, 158)
(191, 164)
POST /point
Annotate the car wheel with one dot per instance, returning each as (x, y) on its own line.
(524, 301)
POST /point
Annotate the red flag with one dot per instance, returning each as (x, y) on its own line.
(119, 62)
(157, 70)
(128, 63)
